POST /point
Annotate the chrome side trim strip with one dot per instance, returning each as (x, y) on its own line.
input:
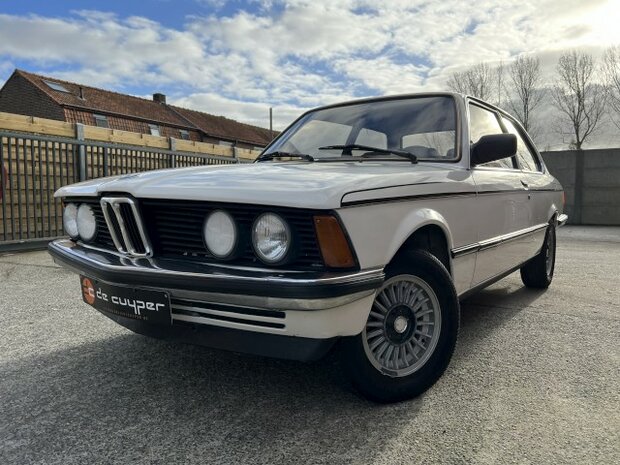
(464, 250)
(495, 241)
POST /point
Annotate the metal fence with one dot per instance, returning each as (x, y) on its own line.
(33, 167)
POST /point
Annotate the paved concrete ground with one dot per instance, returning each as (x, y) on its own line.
(535, 379)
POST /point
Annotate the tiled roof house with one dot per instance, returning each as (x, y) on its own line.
(45, 97)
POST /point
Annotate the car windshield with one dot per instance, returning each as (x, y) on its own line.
(422, 126)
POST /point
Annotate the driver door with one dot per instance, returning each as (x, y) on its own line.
(501, 205)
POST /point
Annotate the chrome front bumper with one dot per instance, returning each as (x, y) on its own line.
(268, 289)
(295, 315)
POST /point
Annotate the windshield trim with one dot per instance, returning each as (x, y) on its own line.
(457, 115)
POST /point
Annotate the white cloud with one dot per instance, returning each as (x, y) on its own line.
(250, 112)
(382, 74)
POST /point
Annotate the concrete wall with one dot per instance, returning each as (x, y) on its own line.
(591, 180)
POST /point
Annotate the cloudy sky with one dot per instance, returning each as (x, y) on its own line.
(238, 58)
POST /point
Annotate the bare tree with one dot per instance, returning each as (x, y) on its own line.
(577, 96)
(526, 91)
(476, 81)
(611, 74)
(481, 80)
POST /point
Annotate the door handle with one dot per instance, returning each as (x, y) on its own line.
(526, 186)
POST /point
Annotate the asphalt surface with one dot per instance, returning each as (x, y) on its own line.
(535, 379)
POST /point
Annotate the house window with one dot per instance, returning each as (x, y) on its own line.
(101, 121)
(184, 134)
(226, 143)
(56, 86)
(154, 130)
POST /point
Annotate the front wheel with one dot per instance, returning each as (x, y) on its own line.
(410, 333)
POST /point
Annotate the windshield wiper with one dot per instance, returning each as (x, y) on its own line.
(272, 155)
(346, 150)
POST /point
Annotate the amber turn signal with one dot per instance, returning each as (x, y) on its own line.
(333, 243)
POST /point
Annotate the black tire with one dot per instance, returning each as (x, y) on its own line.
(538, 272)
(373, 383)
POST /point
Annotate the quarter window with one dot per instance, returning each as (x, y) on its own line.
(483, 123)
(527, 160)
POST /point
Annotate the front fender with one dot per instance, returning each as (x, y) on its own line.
(378, 232)
(414, 221)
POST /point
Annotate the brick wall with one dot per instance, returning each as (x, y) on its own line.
(23, 98)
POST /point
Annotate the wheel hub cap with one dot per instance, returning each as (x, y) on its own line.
(400, 324)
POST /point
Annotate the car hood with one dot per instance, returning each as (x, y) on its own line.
(306, 185)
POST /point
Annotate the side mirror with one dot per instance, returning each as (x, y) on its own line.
(493, 147)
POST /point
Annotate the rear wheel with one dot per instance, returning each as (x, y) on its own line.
(410, 333)
(538, 272)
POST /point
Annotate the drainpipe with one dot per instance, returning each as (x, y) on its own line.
(81, 161)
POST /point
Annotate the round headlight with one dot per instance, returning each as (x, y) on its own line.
(69, 220)
(220, 234)
(86, 222)
(271, 238)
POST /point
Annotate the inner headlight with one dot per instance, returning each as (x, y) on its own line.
(86, 222)
(220, 233)
(69, 220)
(271, 238)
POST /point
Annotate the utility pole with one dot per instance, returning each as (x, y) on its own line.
(271, 122)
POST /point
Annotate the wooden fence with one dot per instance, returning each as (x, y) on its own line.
(38, 156)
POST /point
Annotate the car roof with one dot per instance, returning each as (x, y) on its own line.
(389, 97)
(382, 98)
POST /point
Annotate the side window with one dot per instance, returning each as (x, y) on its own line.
(371, 138)
(527, 159)
(482, 123)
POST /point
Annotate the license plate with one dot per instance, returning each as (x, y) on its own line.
(137, 304)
